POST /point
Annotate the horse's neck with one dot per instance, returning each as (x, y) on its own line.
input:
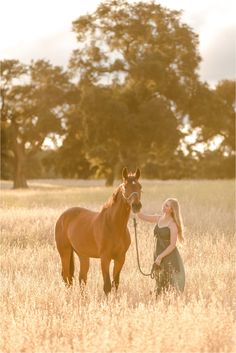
(119, 211)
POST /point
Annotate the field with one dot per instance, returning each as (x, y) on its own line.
(38, 314)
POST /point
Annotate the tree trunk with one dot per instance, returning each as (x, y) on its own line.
(19, 179)
(110, 178)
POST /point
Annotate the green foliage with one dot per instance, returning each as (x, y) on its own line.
(213, 110)
(156, 56)
(225, 91)
(143, 40)
(33, 101)
(137, 70)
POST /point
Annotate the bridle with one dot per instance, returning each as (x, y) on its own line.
(130, 196)
(127, 199)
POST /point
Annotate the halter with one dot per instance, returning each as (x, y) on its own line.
(129, 197)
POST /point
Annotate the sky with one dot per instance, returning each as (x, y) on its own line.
(36, 29)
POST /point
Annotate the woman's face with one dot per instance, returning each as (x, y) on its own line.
(166, 207)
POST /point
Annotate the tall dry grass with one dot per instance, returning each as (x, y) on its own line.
(38, 314)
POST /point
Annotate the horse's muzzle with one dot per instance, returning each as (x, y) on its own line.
(136, 207)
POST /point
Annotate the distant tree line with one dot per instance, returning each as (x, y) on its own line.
(131, 89)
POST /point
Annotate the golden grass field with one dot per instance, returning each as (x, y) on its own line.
(38, 314)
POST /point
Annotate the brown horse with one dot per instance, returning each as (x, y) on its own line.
(101, 235)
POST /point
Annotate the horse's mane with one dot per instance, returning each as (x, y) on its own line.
(112, 199)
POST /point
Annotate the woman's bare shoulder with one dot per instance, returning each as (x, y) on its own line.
(173, 226)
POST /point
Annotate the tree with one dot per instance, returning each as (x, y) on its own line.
(143, 41)
(225, 91)
(10, 70)
(212, 112)
(33, 101)
(136, 65)
(214, 165)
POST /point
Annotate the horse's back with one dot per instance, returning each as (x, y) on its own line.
(72, 213)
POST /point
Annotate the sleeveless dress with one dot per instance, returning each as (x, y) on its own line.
(171, 273)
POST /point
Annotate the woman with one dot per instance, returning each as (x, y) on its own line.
(169, 268)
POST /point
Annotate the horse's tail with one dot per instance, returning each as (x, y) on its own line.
(65, 250)
(72, 263)
(59, 233)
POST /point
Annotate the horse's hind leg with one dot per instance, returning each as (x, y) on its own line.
(67, 261)
(84, 267)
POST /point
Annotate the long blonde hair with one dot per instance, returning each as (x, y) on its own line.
(177, 217)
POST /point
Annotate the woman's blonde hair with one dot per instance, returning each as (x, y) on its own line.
(177, 216)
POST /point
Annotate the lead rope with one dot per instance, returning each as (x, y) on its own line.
(152, 273)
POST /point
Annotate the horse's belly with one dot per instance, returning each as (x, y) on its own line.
(80, 234)
(83, 244)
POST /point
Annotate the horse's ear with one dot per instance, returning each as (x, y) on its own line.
(137, 174)
(125, 173)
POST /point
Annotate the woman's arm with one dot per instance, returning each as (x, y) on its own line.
(170, 248)
(149, 218)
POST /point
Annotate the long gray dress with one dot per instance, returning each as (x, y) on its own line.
(171, 273)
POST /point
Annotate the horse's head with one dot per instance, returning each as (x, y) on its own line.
(131, 189)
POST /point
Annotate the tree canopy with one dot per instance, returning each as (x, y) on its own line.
(137, 67)
(131, 86)
(32, 99)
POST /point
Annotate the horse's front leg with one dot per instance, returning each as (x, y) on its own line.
(105, 264)
(118, 264)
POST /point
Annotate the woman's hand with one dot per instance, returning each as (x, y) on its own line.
(158, 260)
